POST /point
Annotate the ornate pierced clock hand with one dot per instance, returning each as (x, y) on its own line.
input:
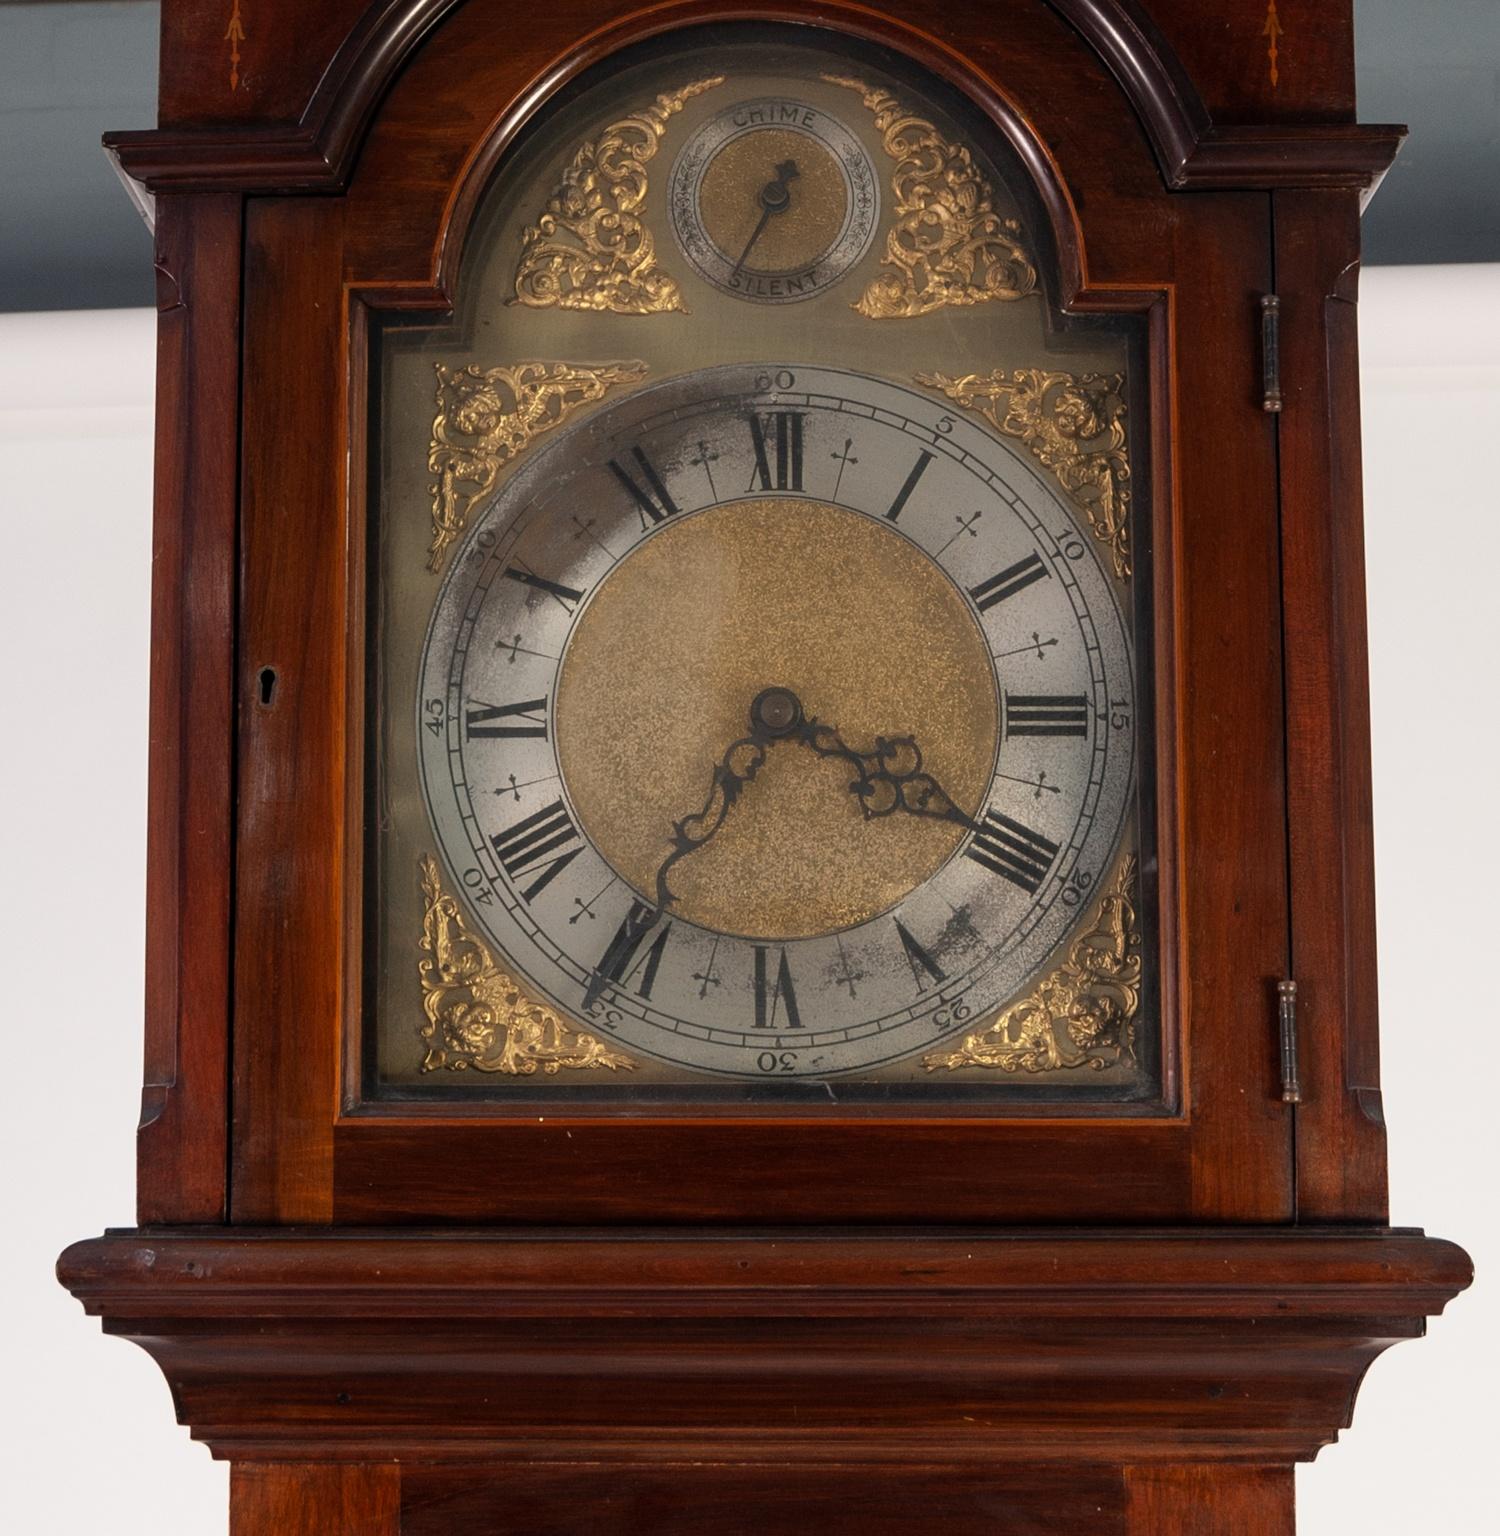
(775, 197)
(774, 713)
(889, 777)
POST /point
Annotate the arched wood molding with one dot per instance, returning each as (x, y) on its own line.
(317, 153)
(880, 27)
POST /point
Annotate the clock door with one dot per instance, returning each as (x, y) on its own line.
(810, 729)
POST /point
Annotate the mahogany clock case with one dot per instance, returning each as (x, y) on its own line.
(1164, 1302)
(404, 1055)
(319, 268)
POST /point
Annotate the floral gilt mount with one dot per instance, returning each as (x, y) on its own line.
(947, 244)
(488, 416)
(1074, 424)
(478, 1016)
(1082, 1013)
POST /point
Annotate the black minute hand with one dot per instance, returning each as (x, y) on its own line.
(775, 713)
(775, 197)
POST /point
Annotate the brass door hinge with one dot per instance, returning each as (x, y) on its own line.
(1270, 352)
(1286, 997)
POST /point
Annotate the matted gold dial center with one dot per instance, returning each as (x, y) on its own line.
(749, 179)
(663, 666)
(773, 200)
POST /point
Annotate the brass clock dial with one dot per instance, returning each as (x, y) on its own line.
(773, 200)
(750, 748)
(759, 617)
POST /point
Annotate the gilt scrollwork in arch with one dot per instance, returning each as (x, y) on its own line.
(589, 248)
(947, 244)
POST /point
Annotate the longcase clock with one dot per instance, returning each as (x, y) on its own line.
(760, 870)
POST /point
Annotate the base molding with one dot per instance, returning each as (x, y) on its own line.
(642, 1360)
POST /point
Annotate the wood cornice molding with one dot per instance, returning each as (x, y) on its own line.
(1215, 1345)
(1282, 156)
(314, 154)
(317, 153)
(1192, 152)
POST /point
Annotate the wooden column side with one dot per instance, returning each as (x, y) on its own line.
(309, 1499)
(181, 1143)
(1200, 1500)
(292, 816)
(1341, 1167)
(1231, 826)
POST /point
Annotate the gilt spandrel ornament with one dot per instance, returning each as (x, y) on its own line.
(478, 1015)
(947, 244)
(1074, 425)
(590, 248)
(1080, 1015)
(487, 416)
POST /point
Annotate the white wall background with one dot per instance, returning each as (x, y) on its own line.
(1419, 1457)
(88, 1422)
